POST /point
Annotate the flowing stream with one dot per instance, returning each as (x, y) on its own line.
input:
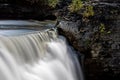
(38, 56)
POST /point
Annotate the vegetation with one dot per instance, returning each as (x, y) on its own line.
(53, 3)
(88, 11)
(103, 30)
(75, 6)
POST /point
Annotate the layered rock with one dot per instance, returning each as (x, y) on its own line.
(98, 38)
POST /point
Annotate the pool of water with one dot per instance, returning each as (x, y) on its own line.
(20, 27)
(15, 32)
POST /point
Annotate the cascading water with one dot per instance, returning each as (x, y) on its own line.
(37, 56)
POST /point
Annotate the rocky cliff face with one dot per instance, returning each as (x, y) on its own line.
(25, 9)
(110, 1)
(98, 38)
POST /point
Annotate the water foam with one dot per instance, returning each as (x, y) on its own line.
(37, 56)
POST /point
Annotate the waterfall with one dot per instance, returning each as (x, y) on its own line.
(38, 56)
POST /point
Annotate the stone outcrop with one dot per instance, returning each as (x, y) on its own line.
(98, 38)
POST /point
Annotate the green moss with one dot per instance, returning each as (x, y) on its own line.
(102, 28)
(53, 3)
(108, 32)
(75, 6)
(88, 11)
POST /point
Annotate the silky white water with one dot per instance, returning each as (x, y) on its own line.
(37, 56)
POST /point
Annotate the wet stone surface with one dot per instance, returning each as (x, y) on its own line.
(100, 47)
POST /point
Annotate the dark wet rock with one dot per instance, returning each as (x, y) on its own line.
(98, 38)
(110, 1)
(25, 10)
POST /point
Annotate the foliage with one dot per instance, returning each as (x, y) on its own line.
(88, 11)
(53, 3)
(103, 30)
(75, 5)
